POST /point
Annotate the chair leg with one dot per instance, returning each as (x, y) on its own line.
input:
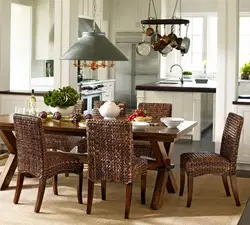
(225, 183)
(234, 189)
(128, 200)
(19, 186)
(190, 190)
(79, 187)
(40, 194)
(143, 189)
(90, 195)
(182, 182)
(103, 189)
(54, 183)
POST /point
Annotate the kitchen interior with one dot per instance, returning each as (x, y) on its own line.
(33, 55)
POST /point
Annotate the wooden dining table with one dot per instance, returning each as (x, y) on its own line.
(162, 140)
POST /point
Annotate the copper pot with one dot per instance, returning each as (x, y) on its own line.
(149, 31)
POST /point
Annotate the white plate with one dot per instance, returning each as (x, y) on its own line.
(140, 124)
(82, 124)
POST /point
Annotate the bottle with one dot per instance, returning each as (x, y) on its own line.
(32, 103)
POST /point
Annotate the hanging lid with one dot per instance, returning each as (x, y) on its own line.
(94, 46)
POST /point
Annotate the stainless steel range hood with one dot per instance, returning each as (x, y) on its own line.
(86, 25)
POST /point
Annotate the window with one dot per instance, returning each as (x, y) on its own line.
(193, 59)
(244, 41)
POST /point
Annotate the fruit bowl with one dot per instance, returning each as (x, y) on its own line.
(172, 122)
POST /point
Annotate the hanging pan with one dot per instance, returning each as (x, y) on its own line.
(143, 48)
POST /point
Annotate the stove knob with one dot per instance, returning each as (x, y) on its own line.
(100, 86)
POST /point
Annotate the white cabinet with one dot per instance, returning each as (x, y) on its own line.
(44, 29)
(128, 14)
(9, 102)
(244, 148)
(109, 90)
(86, 8)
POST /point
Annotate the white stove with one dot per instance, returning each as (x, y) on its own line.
(90, 91)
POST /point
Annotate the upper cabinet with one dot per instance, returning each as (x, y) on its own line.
(86, 9)
(44, 29)
(128, 14)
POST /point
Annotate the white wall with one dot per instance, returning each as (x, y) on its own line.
(21, 47)
(4, 44)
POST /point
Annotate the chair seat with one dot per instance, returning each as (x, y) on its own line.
(65, 143)
(62, 163)
(143, 148)
(201, 163)
(140, 167)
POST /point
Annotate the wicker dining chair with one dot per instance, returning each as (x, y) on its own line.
(33, 158)
(196, 164)
(157, 111)
(98, 104)
(67, 143)
(111, 158)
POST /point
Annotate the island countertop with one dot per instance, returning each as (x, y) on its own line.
(10, 92)
(209, 87)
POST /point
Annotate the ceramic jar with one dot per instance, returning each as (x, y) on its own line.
(109, 110)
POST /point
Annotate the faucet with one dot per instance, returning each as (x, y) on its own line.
(181, 78)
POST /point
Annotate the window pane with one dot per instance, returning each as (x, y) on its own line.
(197, 44)
(244, 26)
(197, 26)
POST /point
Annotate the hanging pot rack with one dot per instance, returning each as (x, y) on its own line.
(165, 22)
(172, 21)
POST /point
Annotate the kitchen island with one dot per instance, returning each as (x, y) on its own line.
(191, 101)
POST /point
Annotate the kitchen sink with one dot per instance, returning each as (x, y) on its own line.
(168, 82)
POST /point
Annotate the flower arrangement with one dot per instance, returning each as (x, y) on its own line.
(61, 97)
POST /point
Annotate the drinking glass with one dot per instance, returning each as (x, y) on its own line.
(18, 109)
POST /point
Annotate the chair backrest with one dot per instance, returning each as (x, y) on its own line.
(30, 141)
(78, 107)
(110, 150)
(157, 110)
(121, 104)
(231, 138)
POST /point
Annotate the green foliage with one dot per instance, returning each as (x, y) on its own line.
(187, 73)
(61, 97)
(245, 71)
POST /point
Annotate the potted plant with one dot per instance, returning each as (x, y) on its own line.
(61, 100)
(245, 71)
(187, 74)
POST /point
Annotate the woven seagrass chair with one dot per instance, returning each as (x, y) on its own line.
(196, 164)
(33, 158)
(157, 111)
(67, 143)
(98, 104)
(111, 158)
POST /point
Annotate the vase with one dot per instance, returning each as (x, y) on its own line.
(109, 110)
(63, 111)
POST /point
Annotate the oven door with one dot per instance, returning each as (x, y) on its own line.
(89, 100)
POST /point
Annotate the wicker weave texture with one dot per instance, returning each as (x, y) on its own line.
(156, 110)
(32, 154)
(110, 152)
(98, 104)
(66, 143)
(201, 163)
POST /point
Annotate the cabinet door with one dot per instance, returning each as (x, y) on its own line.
(129, 13)
(86, 8)
(244, 154)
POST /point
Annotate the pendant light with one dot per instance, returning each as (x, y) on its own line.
(92, 48)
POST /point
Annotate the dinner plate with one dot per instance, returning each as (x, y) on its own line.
(82, 124)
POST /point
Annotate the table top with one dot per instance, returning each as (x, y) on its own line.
(160, 132)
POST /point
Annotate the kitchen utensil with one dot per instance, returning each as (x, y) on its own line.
(155, 40)
(143, 48)
(185, 44)
(149, 31)
(166, 50)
